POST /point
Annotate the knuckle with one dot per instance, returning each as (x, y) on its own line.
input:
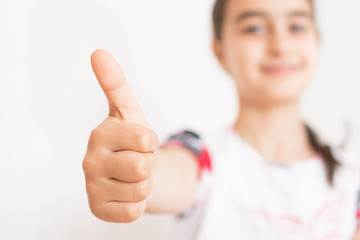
(155, 139)
(132, 212)
(147, 141)
(85, 165)
(143, 142)
(143, 190)
(152, 158)
(95, 136)
(89, 166)
(141, 169)
(96, 210)
(103, 213)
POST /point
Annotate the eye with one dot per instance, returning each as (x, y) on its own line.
(256, 29)
(297, 28)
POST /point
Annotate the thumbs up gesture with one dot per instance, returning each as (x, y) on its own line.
(120, 157)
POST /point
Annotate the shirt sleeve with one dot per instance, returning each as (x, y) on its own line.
(358, 211)
(193, 142)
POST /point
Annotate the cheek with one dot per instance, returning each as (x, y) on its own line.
(243, 59)
(294, 86)
(310, 53)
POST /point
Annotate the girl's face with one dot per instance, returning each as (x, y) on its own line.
(269, 47)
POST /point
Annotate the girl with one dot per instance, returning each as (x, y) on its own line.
(265, 177)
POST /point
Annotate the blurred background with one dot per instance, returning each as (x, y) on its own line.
(50, 99)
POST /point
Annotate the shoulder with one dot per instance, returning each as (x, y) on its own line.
(207, 146)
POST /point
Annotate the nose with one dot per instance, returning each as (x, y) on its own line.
(279, 43)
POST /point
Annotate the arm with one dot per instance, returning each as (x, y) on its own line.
(175, 181)
(125, 171)
(357, 234)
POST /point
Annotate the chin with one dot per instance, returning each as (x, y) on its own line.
(270, 90)
(284, 90)
(281, 96)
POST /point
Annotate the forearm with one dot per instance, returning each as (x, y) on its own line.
(175, 181)
(357, 234)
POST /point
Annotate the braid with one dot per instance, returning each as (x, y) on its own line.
(330, 162)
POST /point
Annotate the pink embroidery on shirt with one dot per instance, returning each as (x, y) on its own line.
(325, 224)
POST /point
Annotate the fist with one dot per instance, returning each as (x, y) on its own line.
(120, 157)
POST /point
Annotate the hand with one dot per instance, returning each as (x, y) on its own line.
(120, 158)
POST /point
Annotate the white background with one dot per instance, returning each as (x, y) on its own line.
(50, 99)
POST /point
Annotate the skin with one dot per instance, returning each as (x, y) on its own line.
(270, 48)
(125, 170)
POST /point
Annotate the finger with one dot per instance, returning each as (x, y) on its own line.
(122, 103)
(119, 212)
(116, 136)
(116, 191)
(130, 166)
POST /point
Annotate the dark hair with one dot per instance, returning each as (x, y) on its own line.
(218, 17)
(330, 162)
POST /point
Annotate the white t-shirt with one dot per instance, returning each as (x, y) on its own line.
(245, 196)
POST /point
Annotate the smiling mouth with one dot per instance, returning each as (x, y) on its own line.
(280, 70)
